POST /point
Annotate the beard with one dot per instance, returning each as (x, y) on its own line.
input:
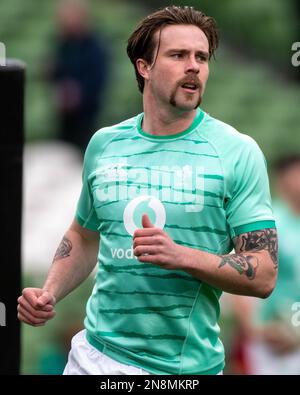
(175, 103)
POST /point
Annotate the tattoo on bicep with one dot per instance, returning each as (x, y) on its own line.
(243, 264)
(63, 250)
(265, 239)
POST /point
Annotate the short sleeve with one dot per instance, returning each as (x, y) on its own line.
(248, 204)
(86, 214)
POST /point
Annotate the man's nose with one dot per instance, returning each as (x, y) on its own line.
(192, 66)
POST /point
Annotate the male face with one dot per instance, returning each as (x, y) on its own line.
(288, 184)
(179, 74)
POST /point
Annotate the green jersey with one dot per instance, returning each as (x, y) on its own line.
(203, 186)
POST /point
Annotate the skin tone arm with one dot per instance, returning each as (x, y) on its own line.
(74, 260)
(251, 271)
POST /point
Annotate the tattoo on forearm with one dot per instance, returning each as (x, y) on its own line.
(265, 239)
(244, 264)
(259, 240)
(63, 250)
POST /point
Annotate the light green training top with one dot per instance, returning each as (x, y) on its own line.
(203, 187)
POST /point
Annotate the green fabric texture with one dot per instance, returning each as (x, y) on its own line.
(201, 186)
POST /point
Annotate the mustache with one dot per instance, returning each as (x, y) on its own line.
(190, 80)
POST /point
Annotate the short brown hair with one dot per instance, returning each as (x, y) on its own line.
(142, 45)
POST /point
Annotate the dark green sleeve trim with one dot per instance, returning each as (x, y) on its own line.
(254, 226)
(84, 223)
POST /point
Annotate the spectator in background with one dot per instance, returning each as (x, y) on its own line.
(79, 72)
(271, 337)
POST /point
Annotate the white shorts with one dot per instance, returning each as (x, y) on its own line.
(84, 359)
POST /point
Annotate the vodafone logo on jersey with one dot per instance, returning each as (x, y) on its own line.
(132, 217)
(145, 204)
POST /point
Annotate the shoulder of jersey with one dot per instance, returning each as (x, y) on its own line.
(105, 135)
(115, 129)
(223, 132)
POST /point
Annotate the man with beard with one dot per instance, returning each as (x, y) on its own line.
(170, 192)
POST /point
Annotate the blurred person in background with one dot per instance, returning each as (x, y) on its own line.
(268, 339)
(79, 71)
(168, 193)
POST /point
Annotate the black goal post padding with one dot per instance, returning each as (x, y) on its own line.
(12, 77)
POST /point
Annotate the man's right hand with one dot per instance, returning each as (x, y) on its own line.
(36, 306)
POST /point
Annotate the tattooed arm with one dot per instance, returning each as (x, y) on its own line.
(252, 270)
(251, 242)
(73, 261)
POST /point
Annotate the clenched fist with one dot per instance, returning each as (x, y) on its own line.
(36, 306)
(153, 245)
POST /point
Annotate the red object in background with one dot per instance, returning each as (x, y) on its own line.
(238, 358)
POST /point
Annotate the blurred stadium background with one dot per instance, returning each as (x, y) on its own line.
(253, 86)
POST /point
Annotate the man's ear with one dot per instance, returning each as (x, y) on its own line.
(143, 68)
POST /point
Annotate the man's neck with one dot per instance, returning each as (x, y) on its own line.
(162, 122)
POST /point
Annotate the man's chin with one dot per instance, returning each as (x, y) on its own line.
(187, 106)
